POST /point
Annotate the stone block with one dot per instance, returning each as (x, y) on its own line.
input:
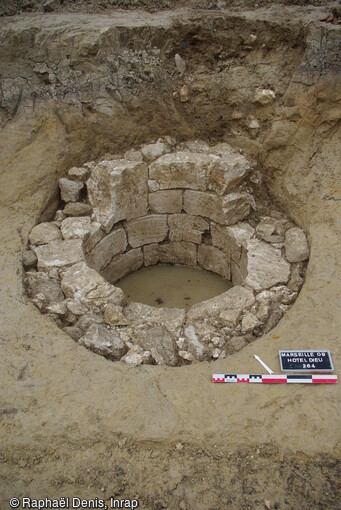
(153, 151)
(104, 341)
(212, 259)
(236, 298)
(104, 251)
(70, 190)
(44, 233)
(139, 314)
(185, 227)
(76, 228)
(118, 191)
(227, 173)
(205, 204)
(236, 207)
(78, 174)
(43, 290)
(159, 342)
(77, 209)
(296, 246)
(262, 265)
(89, 287)
(122, 265)
(137, 356)
(171, 253)
(96, 234)
(194, 346)
(59, 254)
(168, 201)
(181, 170)
(147, 230)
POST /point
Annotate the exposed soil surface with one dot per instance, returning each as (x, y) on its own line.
(76, 85)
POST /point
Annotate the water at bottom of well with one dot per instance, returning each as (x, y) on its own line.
(172, 286)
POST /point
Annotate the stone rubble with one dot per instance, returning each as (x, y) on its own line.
(184, 204)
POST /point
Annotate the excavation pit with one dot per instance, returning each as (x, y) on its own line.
(192, 205)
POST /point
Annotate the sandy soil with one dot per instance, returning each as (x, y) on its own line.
(75, 424)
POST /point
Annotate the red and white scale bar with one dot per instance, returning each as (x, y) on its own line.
(275, 379)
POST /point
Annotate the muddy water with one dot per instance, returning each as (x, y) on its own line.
(172, 286)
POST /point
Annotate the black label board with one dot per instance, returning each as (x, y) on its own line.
(306, 361)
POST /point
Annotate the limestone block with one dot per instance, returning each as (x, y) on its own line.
(168, 201)
(96, 234)
(264, 96)
(43, 290)
(236, 298)
(296, 246)
(104, 341)
(112, 244)
(113, 315)
(263, 266)
(231, 239)
(77, 209)
(194, 346)
(153, 185)
(212, 259)
(59, 254)
(74, 332)
(139, 314)
(236, 207)
(76, 228)
(227, 173)
(122, 265)
(204, 204)
(197, 146)
(237, 277)
(153, 151)
(147, 230)
(76, 307)
(118, 191)
(85, 321)
(70, 190)
(44, 233)
(137, 356)
(78, 174)
(82, 283)
(29, 259)
(181, 170)
(249, 323)
(159, 342)
(185, 227)
(171, 253)
(134, 155)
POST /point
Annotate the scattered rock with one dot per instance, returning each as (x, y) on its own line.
(264, 96)
(51, 5)
(159, 342)
(194, 346)
(74, 332)
(180, 64)
(296, 246)
(44, 233)
(187, 356)
(235, 344)
(70, 190)
(184, 91)
(227, 173)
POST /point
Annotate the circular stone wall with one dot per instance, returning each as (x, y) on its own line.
(187, 204)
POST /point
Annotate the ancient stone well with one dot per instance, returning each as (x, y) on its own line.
(187, 204)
